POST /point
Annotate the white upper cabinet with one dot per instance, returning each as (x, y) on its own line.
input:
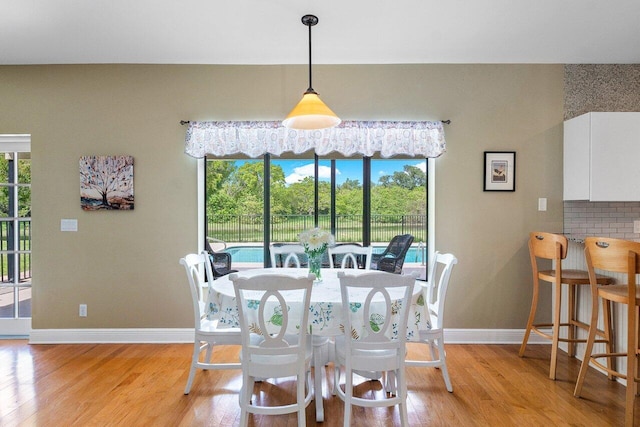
(602, 157)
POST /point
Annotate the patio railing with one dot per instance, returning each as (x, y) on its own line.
(285, 228)
(7, 268)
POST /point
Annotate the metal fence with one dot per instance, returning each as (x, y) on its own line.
(285, 228)
(7, 269)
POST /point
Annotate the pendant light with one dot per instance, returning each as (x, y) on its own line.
(311, 112)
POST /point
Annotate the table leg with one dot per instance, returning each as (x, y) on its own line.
(320, 358)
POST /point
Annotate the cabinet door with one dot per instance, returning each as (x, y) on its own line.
(576, 152)
(615, 157)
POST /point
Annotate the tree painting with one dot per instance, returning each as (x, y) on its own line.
(106, 182)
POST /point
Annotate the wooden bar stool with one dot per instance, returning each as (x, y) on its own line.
(553, 247)
(619, 256)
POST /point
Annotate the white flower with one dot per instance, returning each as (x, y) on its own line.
(316, 239)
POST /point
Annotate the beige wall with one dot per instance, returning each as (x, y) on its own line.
(124, 265)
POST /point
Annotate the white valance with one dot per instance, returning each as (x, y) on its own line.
(253, 138)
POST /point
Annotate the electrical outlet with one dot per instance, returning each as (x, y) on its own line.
(82, 311)
(636, 226)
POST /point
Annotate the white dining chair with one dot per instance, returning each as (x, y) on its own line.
(290, 254)
(207, 333)
(375, 309)
(275, 343)
(348, 255)
(434, 292)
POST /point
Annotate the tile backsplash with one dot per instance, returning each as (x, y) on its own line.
(606, 219)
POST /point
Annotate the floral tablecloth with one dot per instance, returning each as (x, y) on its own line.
(325, 317)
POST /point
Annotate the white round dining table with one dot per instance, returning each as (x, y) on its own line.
(325, 316)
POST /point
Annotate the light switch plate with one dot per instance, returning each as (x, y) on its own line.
(636, 226)
(68, 225)
(542, 204)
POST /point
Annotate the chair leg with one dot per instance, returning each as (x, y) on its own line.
(348, 394)
(209, 353)
(637, 360)
(301, 385)
(632, 364)
(608, 336)
(194, 362)
(571, 319)
(432, 349)
(391, 383)
(402, 392)
(593, 327)
(443, 360)
(317, 386)
(245, 398)
(556, 331)
(532, 315)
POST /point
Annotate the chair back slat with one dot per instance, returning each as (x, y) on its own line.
(544, 245)
(612, 255)
(348, 255)
(196, 267)
(290, 253)
(435, 290)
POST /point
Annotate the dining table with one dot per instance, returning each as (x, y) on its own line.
(325, 315)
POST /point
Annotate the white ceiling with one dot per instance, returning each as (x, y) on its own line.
(348, 32)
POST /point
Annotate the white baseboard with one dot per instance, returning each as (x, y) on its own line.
(105, 336)
(15, 328)
(185, 335)
(490, 336)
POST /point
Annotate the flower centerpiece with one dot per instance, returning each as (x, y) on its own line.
(315, 242)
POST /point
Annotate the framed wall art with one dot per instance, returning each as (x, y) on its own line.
(499, 171)
(106, 183)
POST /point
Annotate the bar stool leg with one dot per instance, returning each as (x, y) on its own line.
(608, 336)
(556, 330)
(632, 363)
(532, 315)
(584, 367)
(572, 319)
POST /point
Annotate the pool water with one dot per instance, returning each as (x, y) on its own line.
(255, 254)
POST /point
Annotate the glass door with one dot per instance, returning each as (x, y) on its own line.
(15, 235)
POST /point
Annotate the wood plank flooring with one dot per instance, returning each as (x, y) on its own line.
(143, 384)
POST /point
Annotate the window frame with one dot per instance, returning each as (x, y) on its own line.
(431, 188)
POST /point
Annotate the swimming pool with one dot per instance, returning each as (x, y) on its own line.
(255, 254)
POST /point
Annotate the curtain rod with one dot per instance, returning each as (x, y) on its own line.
(186, 122)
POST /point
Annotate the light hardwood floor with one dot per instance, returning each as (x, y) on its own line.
(143, 384)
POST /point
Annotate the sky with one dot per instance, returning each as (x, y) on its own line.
(297, 170)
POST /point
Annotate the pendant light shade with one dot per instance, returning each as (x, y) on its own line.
(311, 112)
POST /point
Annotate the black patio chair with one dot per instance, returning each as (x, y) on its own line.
(392, 259)
(220, 261)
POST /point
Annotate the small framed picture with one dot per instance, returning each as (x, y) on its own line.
(499, 171)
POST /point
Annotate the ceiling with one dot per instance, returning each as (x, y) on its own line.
(348, 32)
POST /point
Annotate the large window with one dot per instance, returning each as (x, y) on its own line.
(363, 200)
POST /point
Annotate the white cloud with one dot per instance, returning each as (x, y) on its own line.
(302, 172)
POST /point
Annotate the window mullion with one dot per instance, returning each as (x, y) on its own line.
(16, 229)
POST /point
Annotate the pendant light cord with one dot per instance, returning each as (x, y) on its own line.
(310, 21)
(310, 89)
